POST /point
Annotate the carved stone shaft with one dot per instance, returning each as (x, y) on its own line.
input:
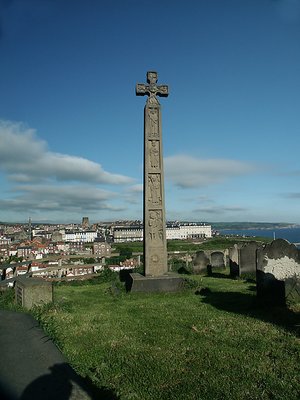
(155, 244)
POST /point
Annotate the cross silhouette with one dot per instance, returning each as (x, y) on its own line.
(152, 89)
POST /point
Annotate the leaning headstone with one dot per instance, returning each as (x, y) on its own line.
(200, 262)
(278, 273)
(30, 292)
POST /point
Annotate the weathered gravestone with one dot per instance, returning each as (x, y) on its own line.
(30, 292)
(243, 259)
(234, 260)
(155, 244)
(200, 262)
(248, 254)
(217, 260)
(278, 273)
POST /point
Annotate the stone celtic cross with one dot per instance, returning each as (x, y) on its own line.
(155, 244)
(152, 89)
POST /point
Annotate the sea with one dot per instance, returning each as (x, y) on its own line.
(290, 234)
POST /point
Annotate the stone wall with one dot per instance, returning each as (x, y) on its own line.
(205, 261)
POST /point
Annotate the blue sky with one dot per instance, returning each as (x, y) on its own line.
(71, 127)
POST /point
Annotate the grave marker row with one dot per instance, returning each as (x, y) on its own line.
(275, 266)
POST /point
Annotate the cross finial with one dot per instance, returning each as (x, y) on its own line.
(152, 89)
(152, 77)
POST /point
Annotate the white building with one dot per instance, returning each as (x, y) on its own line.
(5, 240)
(127, 234)
(79, 236)
(188, 231)
(173, 231)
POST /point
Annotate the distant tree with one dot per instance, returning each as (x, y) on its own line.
(115, 260)
(89, 260)
(126, 252)
(15, 259)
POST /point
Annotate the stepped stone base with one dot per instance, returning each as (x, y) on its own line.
(170, 282)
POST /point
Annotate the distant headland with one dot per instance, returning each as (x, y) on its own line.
(253, 225)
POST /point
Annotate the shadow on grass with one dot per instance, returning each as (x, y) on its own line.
(214, 272)
(183, 271)
(124, 276)
(221, 275)
(62, 383)
(247, 304)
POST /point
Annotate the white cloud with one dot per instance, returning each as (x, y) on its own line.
(133, 194)
(190, 172)
(220, 210)
(62, 196)
(136, 188)
(52, 185)
(32, 199)
(26, 158)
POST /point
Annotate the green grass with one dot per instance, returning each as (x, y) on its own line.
(218, 243)
(7, 299)
(221, 242)
(177, 345)
(136, 247)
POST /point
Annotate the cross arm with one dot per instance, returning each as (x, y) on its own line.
(141, 89)
(163, 90)
(151, 90)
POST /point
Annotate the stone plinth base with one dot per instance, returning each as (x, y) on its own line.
(165, 283)
(30, 292)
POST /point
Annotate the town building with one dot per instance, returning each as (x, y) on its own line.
(24, 251)
(79, 236)
(188, 231)
(85, 222)
(101, 249)
(4, 240)
(180, 231)
(127, 234)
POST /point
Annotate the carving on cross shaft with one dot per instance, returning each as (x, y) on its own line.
(152, 89)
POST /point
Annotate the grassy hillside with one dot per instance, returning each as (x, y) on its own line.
(217, 243)
(217, 344)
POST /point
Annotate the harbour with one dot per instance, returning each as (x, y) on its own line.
(290, 234)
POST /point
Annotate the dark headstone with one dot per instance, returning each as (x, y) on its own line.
(200, 263)
(217, 260)
(242, 260)
(234, 261)
(247, 256)
(278, 273)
